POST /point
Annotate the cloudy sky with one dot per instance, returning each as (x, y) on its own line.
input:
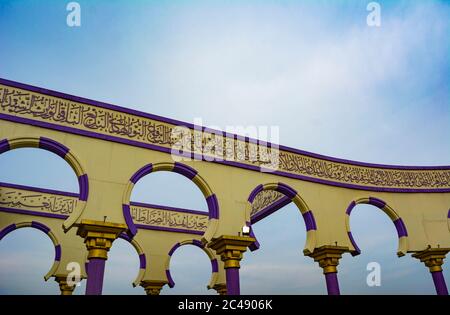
(314, 69)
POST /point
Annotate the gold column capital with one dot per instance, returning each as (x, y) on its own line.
(328, 257)
(231, 248)
(99, 236)
(64, 287)
(433, 258)
(221, 288)
(153, 287)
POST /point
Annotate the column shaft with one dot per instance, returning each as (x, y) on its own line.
(439, 283)
(94, 285)
(233, 286)
(332, 283)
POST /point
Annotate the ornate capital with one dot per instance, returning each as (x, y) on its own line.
(99, 236)
(328, 257)
(433, 258)
(221, 288)
(64, 287)
(153, 287)
(231, 248)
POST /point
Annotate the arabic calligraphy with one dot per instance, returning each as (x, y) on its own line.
(263, 199)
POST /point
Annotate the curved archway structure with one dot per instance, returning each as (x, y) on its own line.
(291, 193)
(186, 171)
(65, 153)
(142, 258)
(43, 228)
(199, 244)
(396, 219)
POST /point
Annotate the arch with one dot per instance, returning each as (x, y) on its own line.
(291, 193)
(199, 244)
(65, 153)
(142, 258)
(43, 228)
(396, 219)
(186, 171)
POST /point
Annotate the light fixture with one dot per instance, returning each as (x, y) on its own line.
(245, 230)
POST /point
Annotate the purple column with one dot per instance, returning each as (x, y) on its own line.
(332, 283)
(233, 281)
(439, 283)
(95, 270)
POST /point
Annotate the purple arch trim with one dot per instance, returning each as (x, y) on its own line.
(169, 278)
(357, 250)
(125, 237)
(255, 191)
(286, 190)
(377, 202)
(58, 252)
(213, 206)
(350, 207)
(53, 146)
(401, 228)
(147, 169)
(132, 230)
(255, 245)
(214, 265)
(184, 170)
(7, 230)
(40, 226)
(4, 146)
(142, 261)
(310, 222)
(83, 183)
(174, 248)
(448, 215)
(198, 243)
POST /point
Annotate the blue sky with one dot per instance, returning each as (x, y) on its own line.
(315, 69)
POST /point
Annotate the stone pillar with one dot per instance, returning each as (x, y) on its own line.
(433, 258)
(231, 249)
(328, 258)
(98, 237)
(153, 287)
(64, 287)
(221, 288)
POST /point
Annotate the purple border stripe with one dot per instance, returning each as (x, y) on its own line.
(214, 265)
(7, 230)
(142, 261)
(192, 126)
(40, 226)
(232, 163)
(42, 190)
(350, 207)
(377, 202)
(254, 192)
(213, 206)
(58, 252)
(4, 146)
(129, 220)
(184, 170)
(401, 228)
(169, 278)
(83, 183)
(53, 146)
(174, 248)
(147, 169)
(286, 190)
(277, 205)
(198, 243)
(36, 213)
(352, 240)
(448, 215)
(166, 229)
(310, 223)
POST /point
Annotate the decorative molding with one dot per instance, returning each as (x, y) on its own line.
(26, 104)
